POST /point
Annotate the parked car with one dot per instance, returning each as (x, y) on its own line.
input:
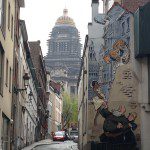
(74, 135)
(59, 136)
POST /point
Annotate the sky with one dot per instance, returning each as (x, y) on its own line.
(40, 17)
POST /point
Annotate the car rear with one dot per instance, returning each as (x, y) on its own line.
(59, 136)
(73, 134)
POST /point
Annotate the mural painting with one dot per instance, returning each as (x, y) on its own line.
(114, 109)
(119, 53)
(117, 126)
(118, 116)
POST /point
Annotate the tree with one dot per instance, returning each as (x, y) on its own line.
(70, 110)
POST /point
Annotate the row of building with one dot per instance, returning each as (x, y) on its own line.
(30, 102)
(116, 54)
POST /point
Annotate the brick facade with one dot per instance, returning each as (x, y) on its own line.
(132, 5)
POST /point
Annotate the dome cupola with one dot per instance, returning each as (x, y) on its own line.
(65, 20)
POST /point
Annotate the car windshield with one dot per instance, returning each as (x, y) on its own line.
(73, 133)
(59, 133)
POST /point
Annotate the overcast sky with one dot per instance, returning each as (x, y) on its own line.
(40, 17)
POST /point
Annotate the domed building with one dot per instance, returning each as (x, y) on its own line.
(64, 53)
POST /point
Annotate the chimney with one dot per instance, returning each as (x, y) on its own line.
(95, 5)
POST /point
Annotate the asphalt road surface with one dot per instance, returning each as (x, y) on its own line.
(67, 145)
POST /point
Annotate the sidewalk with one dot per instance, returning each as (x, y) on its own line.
(46, 141)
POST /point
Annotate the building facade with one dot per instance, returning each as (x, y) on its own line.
(29, 116)
(121, 76)
(40, 71)
(7, 15)
(83, 97)
(57, 104)
(116, 30)
(64, 53)
(119, 83)
(89, 72)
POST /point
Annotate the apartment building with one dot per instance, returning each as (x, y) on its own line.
(7, 18)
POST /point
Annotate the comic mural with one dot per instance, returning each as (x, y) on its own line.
(116, 117)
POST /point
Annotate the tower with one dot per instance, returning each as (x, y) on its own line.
(64, 53)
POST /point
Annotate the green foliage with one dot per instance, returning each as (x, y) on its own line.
(74, 110)
(70, 109)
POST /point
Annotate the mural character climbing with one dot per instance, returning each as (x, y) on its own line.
(117, 127)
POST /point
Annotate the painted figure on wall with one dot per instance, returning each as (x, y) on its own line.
(99, 98)
(120, 52)
(117, 127)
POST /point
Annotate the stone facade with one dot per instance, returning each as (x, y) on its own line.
(83, 97)
(89, 72)
(7, 13)
(55, 113)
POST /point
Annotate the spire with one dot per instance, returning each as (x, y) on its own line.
(65, 12)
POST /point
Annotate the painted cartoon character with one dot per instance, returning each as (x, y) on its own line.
(117, 127)
(119, 52)
(96, 88)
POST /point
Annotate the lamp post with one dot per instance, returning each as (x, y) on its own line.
(26, 80)
(30, 95)
(39, 107)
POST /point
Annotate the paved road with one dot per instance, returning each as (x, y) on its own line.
(67, 145)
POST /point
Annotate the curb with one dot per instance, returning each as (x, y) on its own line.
(40, 145)
(31, 147)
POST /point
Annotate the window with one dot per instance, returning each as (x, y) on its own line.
(72, 89)
(123, 28)
(1, 68)
(128, 41)
(10, 79)
(6, 82)
(3, 15)
(128, 24)
(12, 27)
(5, 134)
(9, 16)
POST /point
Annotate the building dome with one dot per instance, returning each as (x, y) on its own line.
(65, 19)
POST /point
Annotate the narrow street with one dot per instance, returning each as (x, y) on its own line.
(74, 71)
(67, 145)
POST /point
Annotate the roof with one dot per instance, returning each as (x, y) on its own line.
(117, 4)
(56, 86)
(133, 5)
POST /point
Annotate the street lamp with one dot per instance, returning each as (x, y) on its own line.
(26, 83)
(39, 107)
(30, 95)
(26, 80)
